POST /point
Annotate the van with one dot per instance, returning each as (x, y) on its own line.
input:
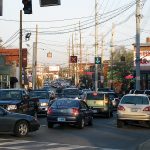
(100, 103)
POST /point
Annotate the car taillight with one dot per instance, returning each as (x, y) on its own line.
(146, 108)
(75, 111)
(106, 101)
(49, 111)
(120, 108)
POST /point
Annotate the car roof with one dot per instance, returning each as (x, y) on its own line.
(136, 95)
(13, 89)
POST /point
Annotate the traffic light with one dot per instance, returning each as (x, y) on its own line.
(27, 6)
(1, 7)
(44, 3)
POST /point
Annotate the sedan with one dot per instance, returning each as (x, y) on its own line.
(69, 111)
(17, 123)
(133, 108)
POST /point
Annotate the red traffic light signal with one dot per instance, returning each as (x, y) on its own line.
(73, 59)
(27, 6)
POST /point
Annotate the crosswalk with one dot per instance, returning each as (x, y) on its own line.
(12, 144)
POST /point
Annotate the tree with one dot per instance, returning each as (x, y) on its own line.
(122, 65)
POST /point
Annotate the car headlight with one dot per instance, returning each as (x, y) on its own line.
(11, 107)
(44, 104)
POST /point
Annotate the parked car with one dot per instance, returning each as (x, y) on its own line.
(69, 111)
(16, 123)
(100, 102)
(44, 97)
(17, 100)
(133, 108)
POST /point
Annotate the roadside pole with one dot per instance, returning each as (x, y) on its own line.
(20, 52)
(138, 19)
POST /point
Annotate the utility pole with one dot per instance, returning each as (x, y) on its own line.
(73, 65)
(80, 67)
(138, 19)
(112, 54)
(34, 64)
(102, 55)
(96, 45)
(69, 59)
(20, 51)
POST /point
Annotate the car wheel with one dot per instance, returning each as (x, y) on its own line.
(21, 129)
(50, 125)
(81, 123)
(90, 123)
(120, 123)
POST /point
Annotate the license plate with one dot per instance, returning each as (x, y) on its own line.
(94, 111)
(134, 109)
(61, 119)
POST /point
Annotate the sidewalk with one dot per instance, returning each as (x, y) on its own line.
(144, 146)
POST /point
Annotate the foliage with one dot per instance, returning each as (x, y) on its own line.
(119, 69)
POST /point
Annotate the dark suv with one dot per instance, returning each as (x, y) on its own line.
(17, 100)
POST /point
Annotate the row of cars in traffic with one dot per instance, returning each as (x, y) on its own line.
(19, 108)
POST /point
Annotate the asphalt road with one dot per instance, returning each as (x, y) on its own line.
(103, 135)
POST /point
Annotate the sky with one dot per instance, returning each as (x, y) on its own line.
(57, 25)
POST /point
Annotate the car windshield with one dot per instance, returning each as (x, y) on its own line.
(65, 104)
(36, 94)
(95, 96)
(135, 100)
(10, 95)
(71, 92)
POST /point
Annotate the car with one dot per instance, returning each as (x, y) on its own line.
(71, 92)
(17, 124)
(133, 108)
(100, 103)
(69, 111)
(114, 98)
(17, 100)
(44, 97)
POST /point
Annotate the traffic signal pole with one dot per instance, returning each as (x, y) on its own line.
(20, 52)
(96, 45)
(138, 18)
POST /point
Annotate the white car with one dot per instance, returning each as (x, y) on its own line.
(133, 108)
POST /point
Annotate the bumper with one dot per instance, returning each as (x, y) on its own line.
(63, 119)
(136, 117)
(42, 110)
(100, 110)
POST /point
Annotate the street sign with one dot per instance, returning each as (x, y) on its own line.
(97, 60)
(73, 59)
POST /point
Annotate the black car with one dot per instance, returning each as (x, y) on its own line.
(17, 100)
(69, 111)
(71, 92)
(44, 97)
(16, 123)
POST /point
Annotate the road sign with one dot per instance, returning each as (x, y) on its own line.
(97, 60)
(73, 59)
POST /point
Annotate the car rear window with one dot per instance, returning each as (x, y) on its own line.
(135, 100)
(65, 104)
(95, 96)
(71, 92)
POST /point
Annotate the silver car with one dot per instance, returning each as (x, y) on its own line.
(133, 108)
